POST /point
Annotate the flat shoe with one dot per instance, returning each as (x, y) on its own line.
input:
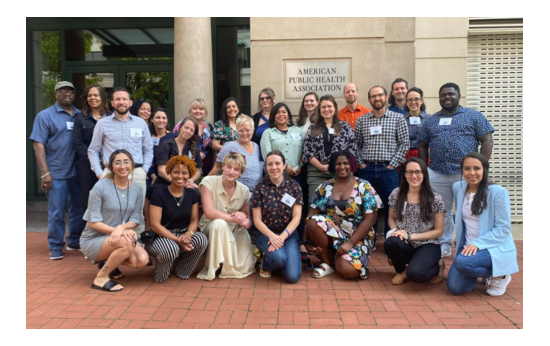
(439, 277)
(398, 279)
(107, 286)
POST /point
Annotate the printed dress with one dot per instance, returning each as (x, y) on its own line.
(341, 224)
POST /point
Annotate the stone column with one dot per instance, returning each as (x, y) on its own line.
(193, 70)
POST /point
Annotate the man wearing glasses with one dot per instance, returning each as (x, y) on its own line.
(382, 143)
(122, 130)
(450, 134)
(56, 156)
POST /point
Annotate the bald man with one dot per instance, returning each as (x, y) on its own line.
(353, 110)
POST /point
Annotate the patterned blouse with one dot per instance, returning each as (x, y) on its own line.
(412, 222)
(276, 215)
(224, 133)
(314, 147)
(205, 141)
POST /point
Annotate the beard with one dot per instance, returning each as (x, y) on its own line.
(122, 110)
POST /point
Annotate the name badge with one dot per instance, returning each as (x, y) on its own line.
(70, 125)
(331, 131)
(288, 200)
(414, 120)
(445, 121)
(297, 137)
(155, 140)
(375, 130)
(136, 132)
(206, 132)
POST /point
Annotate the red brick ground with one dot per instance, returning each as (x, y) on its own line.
(59, 296)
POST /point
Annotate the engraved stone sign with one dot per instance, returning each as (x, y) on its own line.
(322, 76)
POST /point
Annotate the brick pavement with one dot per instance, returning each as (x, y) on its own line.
(59, 296)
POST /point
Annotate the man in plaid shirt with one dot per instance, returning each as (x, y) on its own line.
(382, 143)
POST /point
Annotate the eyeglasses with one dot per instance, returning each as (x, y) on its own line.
(125, 162)
(416, 99)
(65, 91)
(377, 96)
(267, 98)
(411, 173)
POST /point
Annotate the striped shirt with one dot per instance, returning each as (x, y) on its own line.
(382, 139)
(111, 133)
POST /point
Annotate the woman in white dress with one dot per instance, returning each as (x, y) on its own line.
(225, 222)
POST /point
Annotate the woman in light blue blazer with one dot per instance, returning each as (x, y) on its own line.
(484, 244)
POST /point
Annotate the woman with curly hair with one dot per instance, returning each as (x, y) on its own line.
(174, 213)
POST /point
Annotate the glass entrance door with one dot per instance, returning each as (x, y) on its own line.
(147, 82)
(82, 76)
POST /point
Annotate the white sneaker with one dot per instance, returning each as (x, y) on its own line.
(498, 285)
(446, 253)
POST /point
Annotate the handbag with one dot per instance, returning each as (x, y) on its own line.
(149, 236)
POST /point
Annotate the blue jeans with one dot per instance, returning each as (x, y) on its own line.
(64, 193)
(465, 270)
(384, 181)
(287, 258)
(442, 184)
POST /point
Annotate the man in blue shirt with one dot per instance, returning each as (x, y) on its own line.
(122, 130)
(56, 156)
(450, 134)
(399, 89)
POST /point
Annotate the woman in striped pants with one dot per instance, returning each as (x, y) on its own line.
(174, 218)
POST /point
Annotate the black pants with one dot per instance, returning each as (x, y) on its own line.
(87, 179)
(423, 261)
(301, 179)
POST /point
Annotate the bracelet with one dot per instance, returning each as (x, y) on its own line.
(286, 230)
(45, 175)
(409, 237)
(192, 233)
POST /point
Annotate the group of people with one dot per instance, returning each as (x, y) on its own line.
(249, 175)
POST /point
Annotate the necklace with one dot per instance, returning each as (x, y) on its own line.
(120, 204)
(345, 187)
(175, 199)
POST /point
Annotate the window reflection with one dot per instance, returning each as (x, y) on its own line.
(120, 44)
(47, 66)
(233, 65)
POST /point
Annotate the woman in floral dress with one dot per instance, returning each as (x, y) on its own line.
(343, 211)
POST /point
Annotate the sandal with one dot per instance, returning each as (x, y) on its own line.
(322, 273)
(115, 274)
(107, 286)
(264, 273)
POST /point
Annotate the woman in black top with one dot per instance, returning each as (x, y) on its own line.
(266, 100)
(94, 108)
(184, 144)
(174, 215)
